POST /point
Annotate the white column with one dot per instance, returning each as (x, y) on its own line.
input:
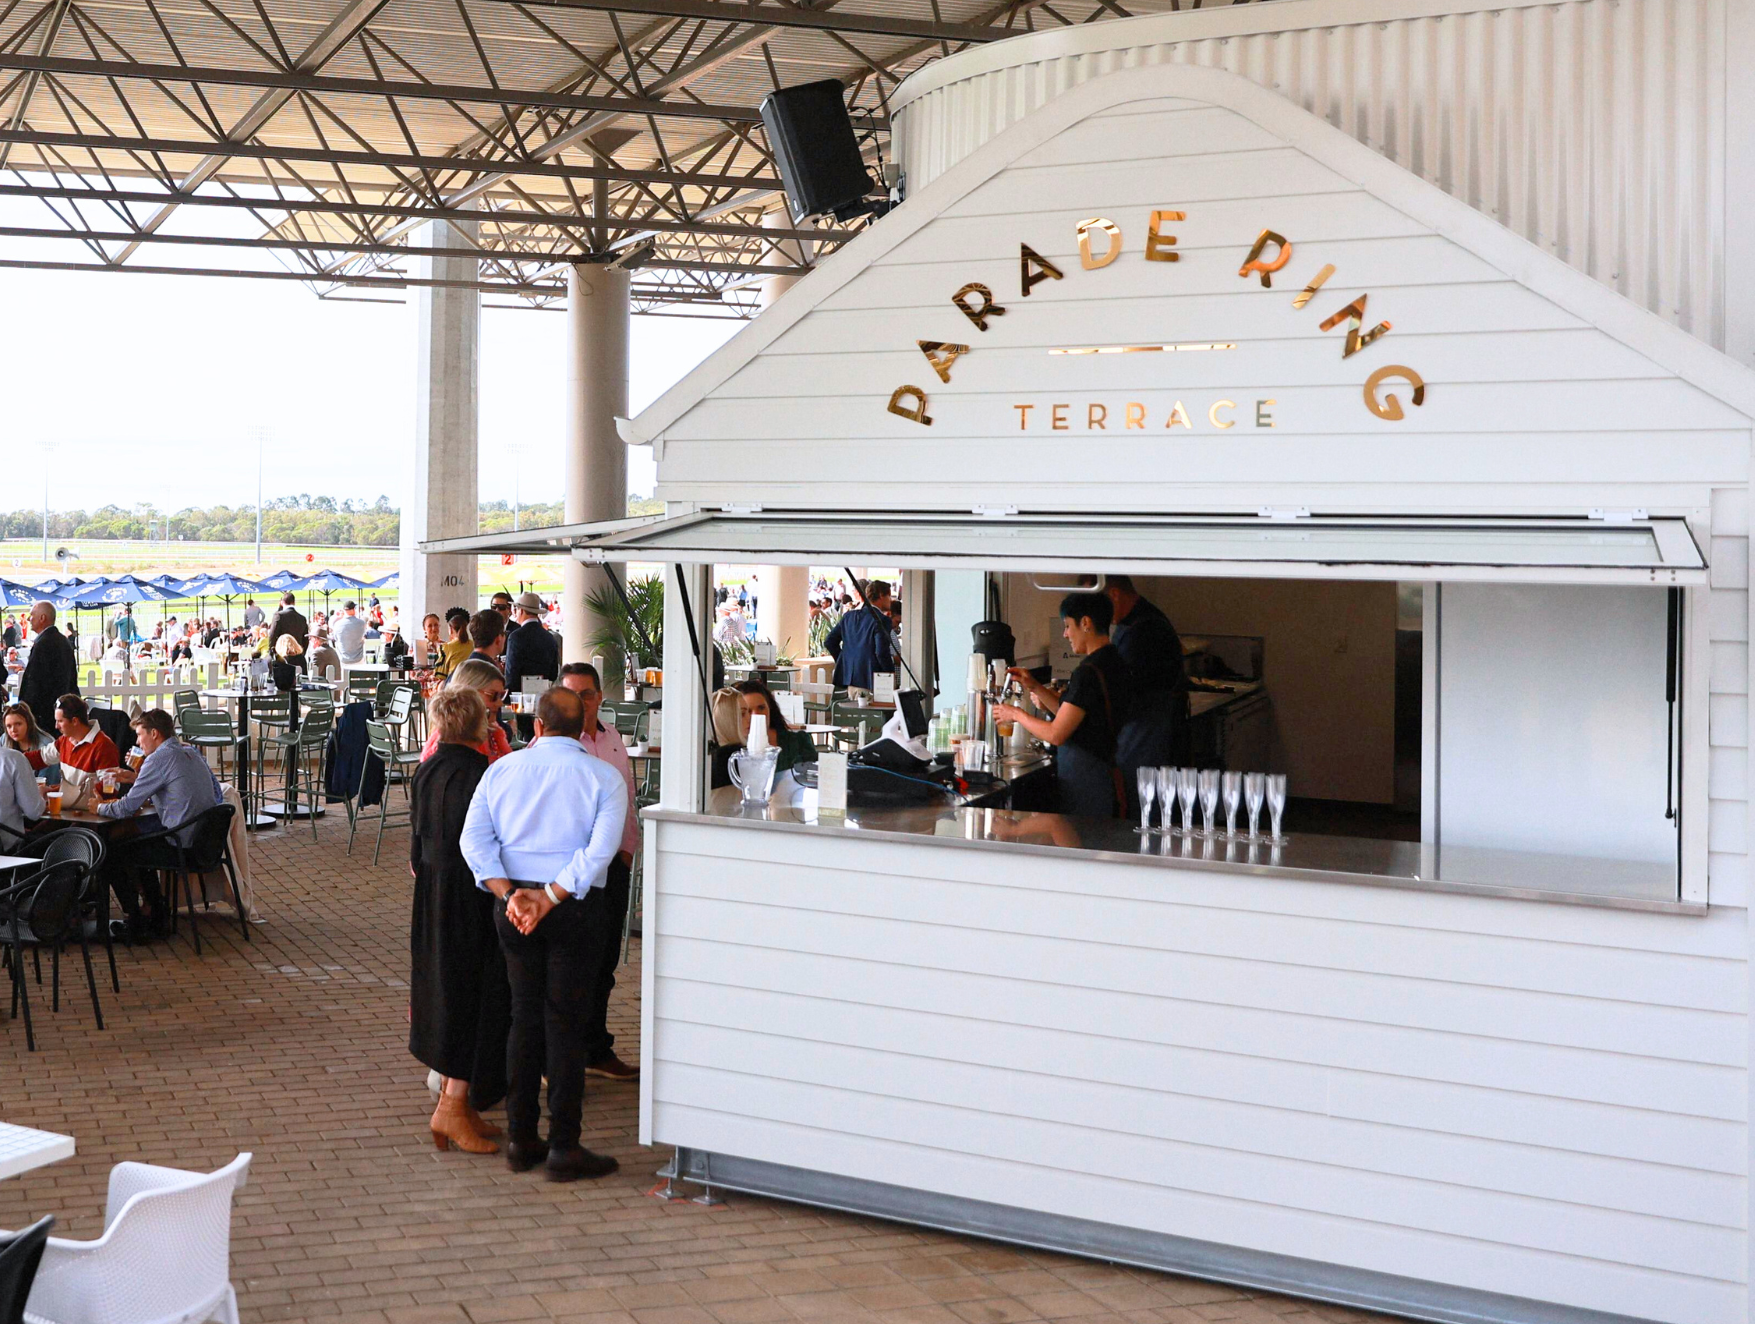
(441, 497)
(597, 459)
(782, 607)
(789, 250)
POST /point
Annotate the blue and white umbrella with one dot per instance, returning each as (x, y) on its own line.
(228, 587)
(281, 580)
(22, 595)
(327, 582)
(113, 592)
(391, 580)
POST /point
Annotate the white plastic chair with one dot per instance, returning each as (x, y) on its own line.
(164, 1257)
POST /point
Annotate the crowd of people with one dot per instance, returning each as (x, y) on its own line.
(522, 863)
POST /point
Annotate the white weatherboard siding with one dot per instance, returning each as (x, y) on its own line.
(1593, 128)
(1537, 1100)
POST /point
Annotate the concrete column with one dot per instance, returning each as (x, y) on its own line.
(782, 606)
(790, 250)
(441, 497)
(919, 637)
(597, 458)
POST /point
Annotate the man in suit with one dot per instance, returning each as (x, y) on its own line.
(288, 620)
(531, 648)
(52, 670)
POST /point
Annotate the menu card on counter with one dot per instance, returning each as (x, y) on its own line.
(884, 687)
(832, 782)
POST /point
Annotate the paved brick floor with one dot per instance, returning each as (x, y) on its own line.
(293, 1046)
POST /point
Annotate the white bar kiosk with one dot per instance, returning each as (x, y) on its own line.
(1485, 1057)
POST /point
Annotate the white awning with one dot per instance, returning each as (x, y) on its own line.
(1580, 550)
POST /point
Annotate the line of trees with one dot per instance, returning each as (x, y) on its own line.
(317, 521)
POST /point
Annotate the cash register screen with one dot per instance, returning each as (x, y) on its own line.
(913, 706)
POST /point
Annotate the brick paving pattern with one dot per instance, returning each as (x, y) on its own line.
(294, 1046)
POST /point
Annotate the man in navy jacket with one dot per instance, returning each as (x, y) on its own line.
(860, 641)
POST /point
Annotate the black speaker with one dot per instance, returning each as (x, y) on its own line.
(812, 139)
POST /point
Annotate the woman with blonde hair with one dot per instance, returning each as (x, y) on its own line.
(460, 1002)
(485, 679)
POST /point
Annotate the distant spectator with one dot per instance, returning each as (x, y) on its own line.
(350, 634)
(531, 650)
(51, 670)
(252, 614)
(487, 632)
(288, 621)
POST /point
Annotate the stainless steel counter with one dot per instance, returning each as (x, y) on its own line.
(1575, 880)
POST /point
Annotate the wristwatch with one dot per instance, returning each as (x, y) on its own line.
(510, 893)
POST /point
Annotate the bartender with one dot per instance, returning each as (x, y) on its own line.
(1155, 732)
(1082, 723)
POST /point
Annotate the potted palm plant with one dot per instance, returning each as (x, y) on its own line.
(640, 635)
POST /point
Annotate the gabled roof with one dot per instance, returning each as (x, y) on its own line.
(1671, 350)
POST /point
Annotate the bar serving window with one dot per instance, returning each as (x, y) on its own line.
(1514, 706)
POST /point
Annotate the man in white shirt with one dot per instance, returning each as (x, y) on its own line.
(542, 829)
(19, 796)
(350, 634)
(605, 742)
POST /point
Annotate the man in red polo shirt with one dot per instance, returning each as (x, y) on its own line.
(82, 745)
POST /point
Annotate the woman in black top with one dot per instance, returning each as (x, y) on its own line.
(1082, 722)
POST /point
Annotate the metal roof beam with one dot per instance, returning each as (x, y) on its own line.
(450, 165)
(659, 263)
(353, 16)
(568, 221)
(372, 87)
(789, 16)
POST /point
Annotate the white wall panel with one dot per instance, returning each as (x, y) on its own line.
(1317, 1070)
(1594, 128)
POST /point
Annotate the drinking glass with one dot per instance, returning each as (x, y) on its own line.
(1166, 800)
(1276, 798)
(1209, 799)
(1254, 788)
(1187, 786)
(1148, 784)
(1233, 792)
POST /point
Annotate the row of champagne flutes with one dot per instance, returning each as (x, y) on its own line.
(1170, 787)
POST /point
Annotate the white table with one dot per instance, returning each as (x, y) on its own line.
(22, 1149)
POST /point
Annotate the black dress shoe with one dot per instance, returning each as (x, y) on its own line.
(523, 1155)
(572, 1164)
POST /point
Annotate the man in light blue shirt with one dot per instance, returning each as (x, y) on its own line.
(176, 778)
(350, 634)
(542, 828)
(20, 797)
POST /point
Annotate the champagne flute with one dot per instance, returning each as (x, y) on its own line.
(1276, 798)
(1209, 800)
(1233, 792)
(1187, 787)
(1166, 800)
(1254, 788)
(1148, 787)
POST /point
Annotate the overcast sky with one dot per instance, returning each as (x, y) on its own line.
(150, 388)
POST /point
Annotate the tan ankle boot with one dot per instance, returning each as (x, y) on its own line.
(451, 1126)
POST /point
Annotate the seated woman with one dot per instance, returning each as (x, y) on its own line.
(753, 698)
(287, 663)
(37, 746)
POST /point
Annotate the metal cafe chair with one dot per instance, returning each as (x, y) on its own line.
(396, 760)
(44, 911)
(859, 726)
(208, 849)
(183, 700)
(304, 745)
(208, 730)
(397, 711)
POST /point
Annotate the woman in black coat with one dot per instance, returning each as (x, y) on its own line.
(460, 1002)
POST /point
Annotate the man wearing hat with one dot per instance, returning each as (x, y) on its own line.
(531, 648)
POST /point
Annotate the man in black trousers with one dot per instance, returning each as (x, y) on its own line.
(51, 670)
(543, 826)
